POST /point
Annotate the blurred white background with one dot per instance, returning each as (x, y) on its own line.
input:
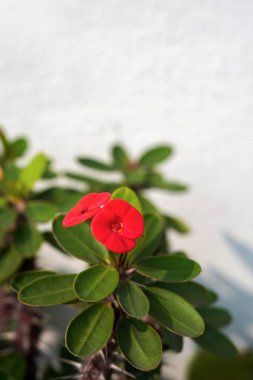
(79, 75)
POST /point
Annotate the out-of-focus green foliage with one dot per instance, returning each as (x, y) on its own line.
(209, 367)
(22, 210)
(22, 207)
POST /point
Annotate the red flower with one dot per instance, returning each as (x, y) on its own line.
(86, 208)
(117, 226)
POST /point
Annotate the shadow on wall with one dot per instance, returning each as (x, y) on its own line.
(235, 297)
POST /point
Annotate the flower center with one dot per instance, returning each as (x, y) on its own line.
(117, 226)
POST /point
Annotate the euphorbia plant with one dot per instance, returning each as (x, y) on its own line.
(136, 298)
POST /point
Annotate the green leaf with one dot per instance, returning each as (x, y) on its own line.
(95, 185)
(10, 261)
(50, 239)
(95, 164)
(63, 199)
(132, 299)
(175, 342)
(156, 180)
(176, 224)
(171, 186)
(7, 216)
(152, 235)
(49, 173)
(11, 172)
(54, 289)
(169, 268)
(147, 206)
(120, 158)
(134, 177)
(140, 343)
(174, 313)
(127, 195)
(27, 240)
(156, 155)
(96, 283)
(32, 172)
(79, 241)
(24, 278)
(215, 316)
(3, 138)
(12, 365)
(216, 342)
(192, 292)
(17, 148)
(89, 331)
(40, 212)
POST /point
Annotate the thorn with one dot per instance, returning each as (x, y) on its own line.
(120, 370)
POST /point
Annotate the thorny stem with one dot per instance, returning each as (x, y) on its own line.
(100, 366)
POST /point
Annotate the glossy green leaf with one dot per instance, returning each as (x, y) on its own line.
(89, 331)
(79, 241)
(156, 155)
(140, 343)
(215, 316)
(27, 240)
(152, 235)
(33, 171)
(95, 164)
(40, 212)
(132, 299)
(7, 216)
(176, 224)
(174, 313)
(216, 342)
(119, 156)
(24, 278)
(96, 283)
(169, 268)
(54, 289)
(10, 261)
(192, 292)
(127, 195)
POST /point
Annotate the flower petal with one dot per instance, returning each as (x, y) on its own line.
(101, 228)
(119, 244)
(86, 208)
(130, 217)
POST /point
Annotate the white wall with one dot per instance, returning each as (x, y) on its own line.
(78, 75)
